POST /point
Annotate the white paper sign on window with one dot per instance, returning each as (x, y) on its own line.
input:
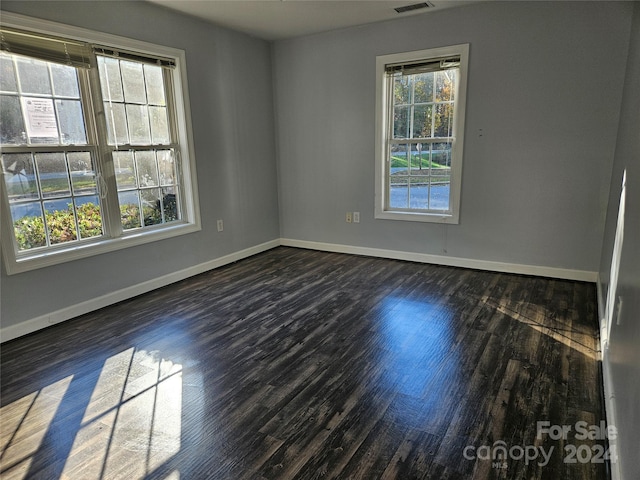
(40, 117)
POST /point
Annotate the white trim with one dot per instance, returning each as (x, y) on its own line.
(607, 381)
(536, 270)
(382, 125)
(610, 413)
(67, 313)
(91, 248)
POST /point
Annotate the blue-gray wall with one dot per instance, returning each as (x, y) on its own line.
(544, 91)
(622, 360)
(232, 116)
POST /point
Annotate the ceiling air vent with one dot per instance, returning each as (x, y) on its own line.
(415, 6)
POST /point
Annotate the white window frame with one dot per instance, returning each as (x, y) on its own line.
(20, 261)
(384, 120)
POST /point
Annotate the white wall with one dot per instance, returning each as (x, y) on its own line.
(232, 115)
(544, 92)
(622, 359)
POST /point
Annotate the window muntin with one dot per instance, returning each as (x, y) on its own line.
(47, 161)
(420, 123)
(147, 187)
(87, 192)
(419, 176)
(134, 96)
(41, 103)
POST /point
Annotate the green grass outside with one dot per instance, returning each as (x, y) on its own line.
(401, 162)
(51, 186)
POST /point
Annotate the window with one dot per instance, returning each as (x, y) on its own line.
(96, 150)
(420, 125)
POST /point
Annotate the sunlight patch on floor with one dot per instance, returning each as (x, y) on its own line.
(561, 331)
(24, 424)
(133, 420)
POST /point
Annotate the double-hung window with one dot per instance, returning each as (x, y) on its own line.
(419, 138)
(96, 149)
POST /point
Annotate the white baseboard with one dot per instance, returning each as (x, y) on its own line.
(607, 381)
(610, 412)
(43, 321)
(562, 273)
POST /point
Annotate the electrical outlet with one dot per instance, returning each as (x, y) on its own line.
(356, 217)
(349, 217)
(220, 226)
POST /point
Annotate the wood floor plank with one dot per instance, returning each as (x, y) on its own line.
(303, 364)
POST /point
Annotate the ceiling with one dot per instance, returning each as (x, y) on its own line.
(279, 19)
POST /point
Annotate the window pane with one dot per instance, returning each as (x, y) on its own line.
(125, 170)
(442, 155)
(428, 184)
(71, 122)
(133, 82)
(89, 217)
(138, 123)
(423, 90)
(401, 122)
(34, 76)
(419, 159)
(19, 176)
(419, 192)
(7, 74)
(54, 178)
(28, 225)
(401, 89)
(399, 159)
(129, 209)
(155, 85)
(151, 209)
(158, 205)
(422, 121)
(116, 123)
(170, 205)
(439, 195)
(443, 120)
(159, 125)
(60, 220)
(110, 79)
(56, 212)
(445, 82)
(166, 167)
(11, 121)
(398, 192)
(65, 81)
(147, 169)
(83, 176)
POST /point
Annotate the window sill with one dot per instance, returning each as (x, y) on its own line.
(31, 261)
(449, 219)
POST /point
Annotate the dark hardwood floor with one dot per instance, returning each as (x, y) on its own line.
(302, 364)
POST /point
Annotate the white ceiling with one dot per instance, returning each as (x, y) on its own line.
(279, 19)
